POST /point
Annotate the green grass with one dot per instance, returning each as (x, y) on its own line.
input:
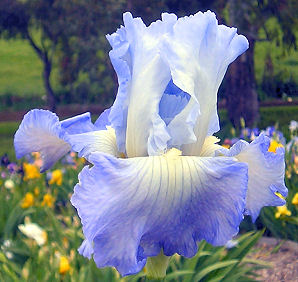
(7, 131)
(21, 70)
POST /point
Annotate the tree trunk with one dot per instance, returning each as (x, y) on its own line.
(51, 100)
(242, 97)
(241, 94)
(47, 68)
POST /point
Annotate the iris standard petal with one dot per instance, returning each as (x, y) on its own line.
(143, 77)
(198, 52)
(265, 173)
(41, 131)
(94, 141)
(131, 208)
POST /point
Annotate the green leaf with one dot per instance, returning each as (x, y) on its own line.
(177, 274)
(213, 267)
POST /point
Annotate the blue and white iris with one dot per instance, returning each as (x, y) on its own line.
(158, 181)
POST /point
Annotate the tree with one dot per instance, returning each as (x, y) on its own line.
(250, 17)
(69, 31)
(33, 21)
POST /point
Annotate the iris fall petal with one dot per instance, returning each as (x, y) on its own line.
(41, 131)
(265, 173)
(131, 208)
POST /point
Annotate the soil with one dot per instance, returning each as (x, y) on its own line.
(281, 255)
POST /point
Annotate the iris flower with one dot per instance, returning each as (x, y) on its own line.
(158, 181)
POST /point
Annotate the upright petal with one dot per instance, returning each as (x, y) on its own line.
(198, 52)
(132, 208)
(266, 172)
(143, 77)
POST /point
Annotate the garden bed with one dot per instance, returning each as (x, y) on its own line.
(282, 256)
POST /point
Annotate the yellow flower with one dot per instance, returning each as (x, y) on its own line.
(36, 191)
(30, 171)
(282, 210)
(48, 200)
(28, 201)
(273, 146)
(227, 146)
(64, 266)
(295, 200)
(56, 177)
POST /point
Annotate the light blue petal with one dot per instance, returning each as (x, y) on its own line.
(265, 173)
(41, 131)
(78, 124)
(198, 52)
(86, 249)
(131, 208)
(121, 60)
(172, 102)
(103, 120)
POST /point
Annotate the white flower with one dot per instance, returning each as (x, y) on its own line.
(293, 125)
(9, 184)
(32, 230)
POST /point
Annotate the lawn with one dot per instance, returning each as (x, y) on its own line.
(20, 70)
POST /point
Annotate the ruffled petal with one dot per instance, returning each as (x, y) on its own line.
(265, 173)
(131, 208)
(198, 52)
(41, 131)
(143, 77)
(95, 141)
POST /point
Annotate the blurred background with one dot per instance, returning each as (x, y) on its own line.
(54, 55)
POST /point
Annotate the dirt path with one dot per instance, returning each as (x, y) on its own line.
(284, 260)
